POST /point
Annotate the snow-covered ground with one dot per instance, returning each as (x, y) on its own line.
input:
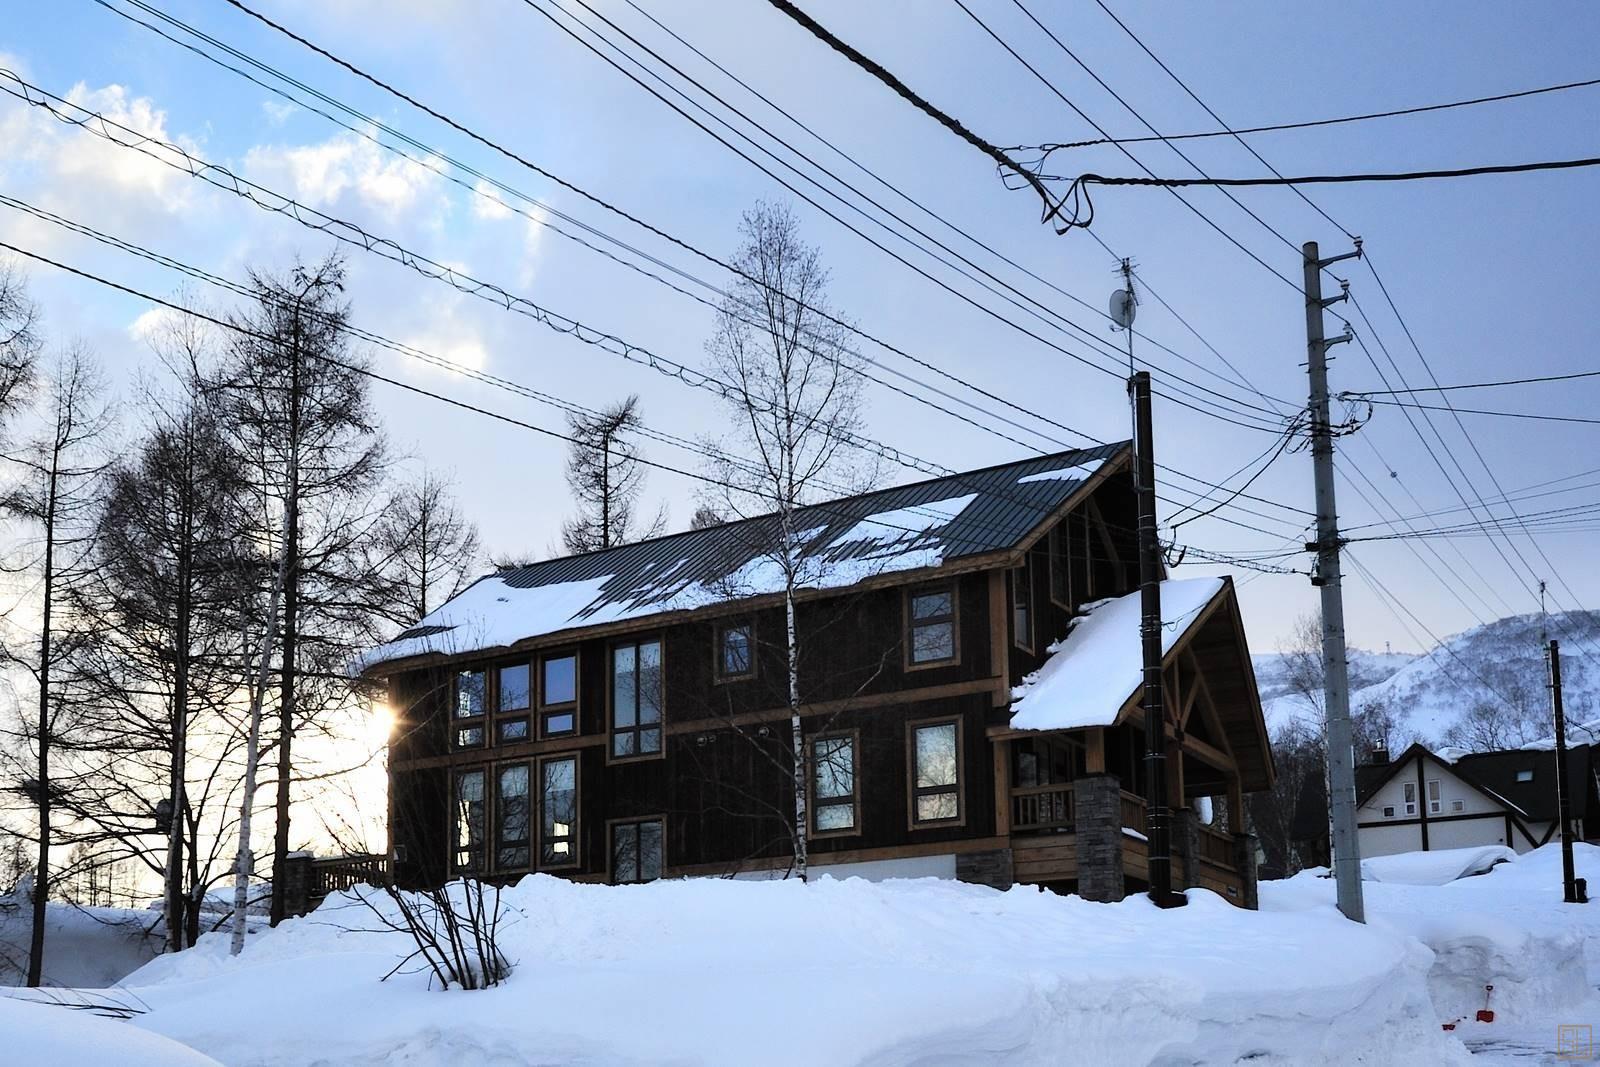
(90, 947)
(908, 972)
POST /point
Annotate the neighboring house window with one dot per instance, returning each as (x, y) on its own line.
(833, 785)
(636, 699)
(558, 805)
(1060, 544)
(1525, 775)
(736, 651)
(470, 705)
(512, 696)
(931, 617)
(469, 817)
(936, 770)
(1435, 805)
(558, 693)
(1456, 805)
(1411, 797)
(1388, 813)
(1022, 607)
(511, 817)
(636, 851)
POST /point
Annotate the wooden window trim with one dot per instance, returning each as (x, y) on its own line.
(483, 720)
(1022, 576)
(1060, 561)
(451, 824)
(911, 591)
(658, 638)
(720, 628)
(543, 710)
(912, 822)
(494, 815)
(512, 713)
(812, 833)
(576, 837)
(611, 849)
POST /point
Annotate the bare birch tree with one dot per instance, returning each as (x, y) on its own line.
(796, 399)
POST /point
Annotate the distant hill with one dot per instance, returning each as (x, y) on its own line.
(1480, 689)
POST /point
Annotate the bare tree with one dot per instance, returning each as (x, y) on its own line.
(19, 339)
(796, 399)
(705, 515)
(606, 478)
(57, 497)
(425, 548)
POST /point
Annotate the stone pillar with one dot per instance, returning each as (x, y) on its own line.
(1186, 846)
(297, 883)
(1244, 856)
(1097, 820)
(991, 868)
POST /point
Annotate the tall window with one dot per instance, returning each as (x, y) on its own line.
(469, 824)
(558, 805)
(833, 785)
(558, 693)
(736, 651)
(511, 698)
(470, 705)
(931, 618)
(636, 851)
(511, 817)
(1060, 546)
(1435, 803)
(1411, 797)
(936, 769)
(1022, 607)
(636, 699)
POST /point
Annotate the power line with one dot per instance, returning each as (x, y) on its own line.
(1472, 385)
(1484, 411)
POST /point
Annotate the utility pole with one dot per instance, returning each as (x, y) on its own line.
(1569, 882)
(1157, 817)
(1335, 666)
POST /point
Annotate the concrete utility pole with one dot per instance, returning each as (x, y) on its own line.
(1569, 881)
(1335, 666)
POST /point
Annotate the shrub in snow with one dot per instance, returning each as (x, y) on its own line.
(454, 931)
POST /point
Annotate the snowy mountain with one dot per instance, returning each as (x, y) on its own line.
(1484, 688)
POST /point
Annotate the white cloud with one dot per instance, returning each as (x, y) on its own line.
(487, 202)
(347, 167)
(278, 111)
(82, 158)
(150, 324)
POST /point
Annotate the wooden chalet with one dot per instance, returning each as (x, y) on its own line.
(969, 681)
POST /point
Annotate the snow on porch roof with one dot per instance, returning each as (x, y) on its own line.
(1091, 672)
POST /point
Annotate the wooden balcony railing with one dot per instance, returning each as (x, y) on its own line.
(1216, 847)
(1133, 811)
(1042, 807)
(344, 872)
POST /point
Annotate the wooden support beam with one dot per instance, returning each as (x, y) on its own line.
(1095, 750)
(999, 641)
(1002, 787)
(1235, 804)
(1212, 755)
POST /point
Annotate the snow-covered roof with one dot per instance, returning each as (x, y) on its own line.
(839, 543)
(1092, 671)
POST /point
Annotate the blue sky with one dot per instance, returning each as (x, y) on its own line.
(1491, 275)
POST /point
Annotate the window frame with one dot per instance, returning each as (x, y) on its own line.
(718, 675)
(913, 791)
(1525, 771)
(543, 710)
(657, 638)
(575, 837)
(1408, 795)
(454, 816)
(495, 819)
(1059, 548)
(908, 625)
(482, 721)
(1021, 581)
(812, 807)
(1435, 795)
(612, 826)
(1388, 811)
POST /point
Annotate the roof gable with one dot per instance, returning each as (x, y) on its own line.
(839, 543)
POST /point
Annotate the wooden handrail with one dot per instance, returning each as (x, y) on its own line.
(1042, 807)
(1216, 847)
(1133, 810)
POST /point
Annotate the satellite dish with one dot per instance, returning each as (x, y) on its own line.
(1123, 306)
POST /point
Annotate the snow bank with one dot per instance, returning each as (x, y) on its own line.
(1507, 928)
(1436, 867)
(93, 947)
(49, 1035)
(834, 972)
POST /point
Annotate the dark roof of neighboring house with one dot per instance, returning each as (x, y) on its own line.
(1495, 774)
(909, 527)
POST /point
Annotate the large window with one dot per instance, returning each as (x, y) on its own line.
(513, 688)
(470, 704)
(558, 808)
(1022, 607)
(469, 820)
(1435, 801)
(1411, 797)
(936, 771)
(833, 785)
(511, 817)
(558, 693)
(636, 851)
(931, 621)
(736, 651)
(636, 699)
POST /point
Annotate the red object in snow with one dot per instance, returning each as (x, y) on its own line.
(1484, 1014)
